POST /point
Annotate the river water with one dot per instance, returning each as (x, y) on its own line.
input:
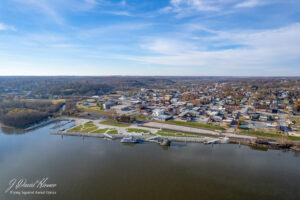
(94, 168)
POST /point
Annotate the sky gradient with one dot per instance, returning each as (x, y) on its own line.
(157, 37)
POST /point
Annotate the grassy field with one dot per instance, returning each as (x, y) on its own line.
(89, 130)
(103, 130)
(137, 130)
(176, 134)
(92, 109)
(265, 134)
(98, 110)
(139, 117)
(76, 129)
(195, 124)
(114, 124)
(112, 131)
(293, 138)
(88, 127)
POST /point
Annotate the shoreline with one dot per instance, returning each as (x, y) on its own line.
(143, 137)
(234, 138)
(205, 140)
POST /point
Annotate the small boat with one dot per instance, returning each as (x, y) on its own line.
(213, 141)
(130, 139)
(108, 136)
(224, 140)
(164, 142)
(160, 140)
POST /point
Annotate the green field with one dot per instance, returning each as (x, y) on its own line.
(112, 131)
(100, 130)
(195, 124)
(89, 130)
(92, 109)
(137, 130)
(114, 124)
(88, 127)
(76, 129)
(174, 133)
(272, 135)
(293, 138)
(139, 117)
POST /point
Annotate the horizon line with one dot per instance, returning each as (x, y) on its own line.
(235, 76)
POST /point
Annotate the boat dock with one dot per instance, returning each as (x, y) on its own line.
(142, 137)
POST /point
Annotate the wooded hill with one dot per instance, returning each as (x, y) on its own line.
(21, 114)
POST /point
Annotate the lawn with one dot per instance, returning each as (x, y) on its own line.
(294, 138)
(195, 124)
(137, 130)
(176, 134)
(92, 109)
(89, 130)
(88, 127)
(112, 131)
(272, 135)
(76, 129)
(139, 117)
(109, 123)
(103, 130)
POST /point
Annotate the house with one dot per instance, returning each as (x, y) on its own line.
(158, 112)
(263, 118)
(168, 97)
(108, 104)
(119, 108)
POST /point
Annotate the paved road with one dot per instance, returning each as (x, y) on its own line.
(181, 128)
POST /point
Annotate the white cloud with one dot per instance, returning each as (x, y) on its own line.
(274, 50)
(250, 4)
(167, 46)
(92, 2)
(44, 7)
(199, 5)
(4, 27)
(113, 30)
(184, 8)
(121, 13)
(123, 3)
(192, 7)
(56, 10)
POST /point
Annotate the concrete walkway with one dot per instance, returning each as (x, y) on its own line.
(182, 129)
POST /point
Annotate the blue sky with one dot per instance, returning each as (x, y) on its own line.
(157, 37)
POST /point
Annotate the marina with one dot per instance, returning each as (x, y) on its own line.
(195, 136)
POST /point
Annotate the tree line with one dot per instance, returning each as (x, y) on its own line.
(23, 113)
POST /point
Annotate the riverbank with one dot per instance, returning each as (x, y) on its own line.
(177, 134)
(141, 137)
(208, 140)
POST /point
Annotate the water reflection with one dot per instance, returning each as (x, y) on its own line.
(56, 124)
(258, 148)
(9, 131)
(94, 168)
(129, 144)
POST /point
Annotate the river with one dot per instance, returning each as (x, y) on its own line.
(94, 168)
